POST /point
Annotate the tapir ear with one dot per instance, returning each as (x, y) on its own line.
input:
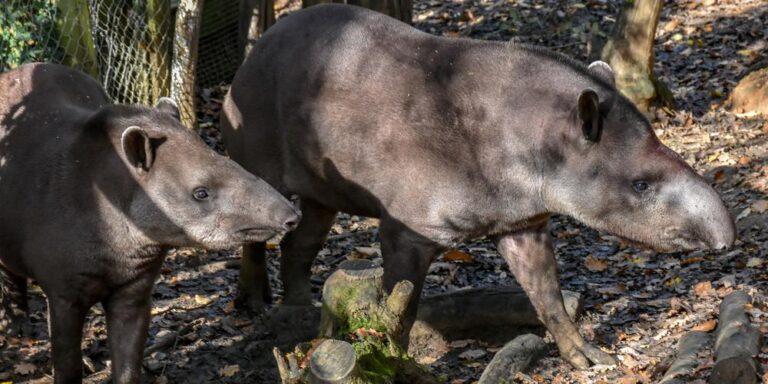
(167, 105)
(589, 115)
(137, 147)
(604, 71)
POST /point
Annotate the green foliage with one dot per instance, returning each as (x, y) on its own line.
(26, 32)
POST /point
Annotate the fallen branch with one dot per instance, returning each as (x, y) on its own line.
(685, 363)
(516, 356)
(486, 308)
(737, 342)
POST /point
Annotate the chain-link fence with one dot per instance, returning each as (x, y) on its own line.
(126, 44)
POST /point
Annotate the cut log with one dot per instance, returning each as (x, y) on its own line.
(685, 363)
(517, 356)
(737, 342)
(487, 307)
(333, 362)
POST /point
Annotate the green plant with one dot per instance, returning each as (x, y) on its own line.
(26, 32)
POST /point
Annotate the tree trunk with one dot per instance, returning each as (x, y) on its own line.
(74, 25)
(159, 26)
(630, 51)
(184, 70)
(399, 9)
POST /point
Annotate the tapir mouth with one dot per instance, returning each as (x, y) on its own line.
(257, 234)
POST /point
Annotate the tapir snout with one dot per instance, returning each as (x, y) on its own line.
(703, 221)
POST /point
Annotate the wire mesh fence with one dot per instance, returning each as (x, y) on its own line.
(125, 44)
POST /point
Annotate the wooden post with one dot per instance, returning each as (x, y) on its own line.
(255, 17)
(74, 25)
(159, 26)
(184, 69)
(399, 9)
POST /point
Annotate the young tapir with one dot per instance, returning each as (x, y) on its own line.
(449, 139)
(92, 194)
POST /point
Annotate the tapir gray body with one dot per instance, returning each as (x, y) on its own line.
(450, 139)
(92, 195)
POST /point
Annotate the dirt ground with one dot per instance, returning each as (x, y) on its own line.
(638, 303)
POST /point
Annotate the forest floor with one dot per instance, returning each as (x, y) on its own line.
(638, 303)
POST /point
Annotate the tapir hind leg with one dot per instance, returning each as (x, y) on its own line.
(531, 258)
(407, 256)
(13, 302)
(299, 249)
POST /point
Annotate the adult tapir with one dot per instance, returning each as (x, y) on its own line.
(92, 194)
(449, 139)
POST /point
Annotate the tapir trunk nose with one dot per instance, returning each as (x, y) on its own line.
(285, 213)
(716, 225)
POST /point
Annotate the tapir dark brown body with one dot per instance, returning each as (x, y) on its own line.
(92, 195)
(450, 139)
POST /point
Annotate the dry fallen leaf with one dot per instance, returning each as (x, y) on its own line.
(594, 264)
(760, 206)
(703, 288)
(24, 368)
(229, 370)
(202, 300)
(706, 326)
(458, 256)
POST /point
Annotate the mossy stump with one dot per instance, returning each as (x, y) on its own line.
(359, 332)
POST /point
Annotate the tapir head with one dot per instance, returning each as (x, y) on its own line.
(613, 174)
(190, 195)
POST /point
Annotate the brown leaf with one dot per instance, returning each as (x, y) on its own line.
(691, 260)
(24, 368)
(744, 160)
(671, 25)
(229, 370)
(706, 326)
(594, 264)
(703, 289)
(458, 256)
(760, 206)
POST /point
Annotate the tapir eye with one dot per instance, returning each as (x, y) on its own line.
(640, 186)
(200, 193)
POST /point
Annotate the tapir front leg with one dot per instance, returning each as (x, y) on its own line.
(407, 256)
(65, 326)
(531, 258)
(128, 314)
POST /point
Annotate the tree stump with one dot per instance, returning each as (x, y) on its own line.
(356, 316)
(737, 342)
(516, 356)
